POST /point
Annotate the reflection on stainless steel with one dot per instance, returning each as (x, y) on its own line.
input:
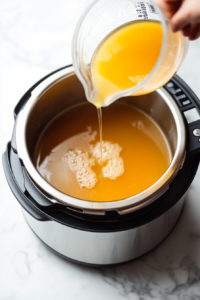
(102, 248)
(63, 90)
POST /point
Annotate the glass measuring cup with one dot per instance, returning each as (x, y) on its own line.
(105, 16)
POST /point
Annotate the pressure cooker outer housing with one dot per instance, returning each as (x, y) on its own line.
(107, 237)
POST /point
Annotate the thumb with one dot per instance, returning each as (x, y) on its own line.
(187, 13)
(168, 7)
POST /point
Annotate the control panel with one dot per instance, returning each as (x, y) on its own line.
(189, 105)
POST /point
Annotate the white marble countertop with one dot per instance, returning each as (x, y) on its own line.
(35, 39)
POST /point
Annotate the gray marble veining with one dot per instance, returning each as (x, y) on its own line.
(35, 38)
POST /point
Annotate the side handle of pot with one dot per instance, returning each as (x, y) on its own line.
(20, 196)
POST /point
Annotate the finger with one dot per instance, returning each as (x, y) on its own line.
(185, 15)
(169, 8)
(194, 34)
(187, 30)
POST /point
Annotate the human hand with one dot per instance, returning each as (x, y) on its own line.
(184, 15)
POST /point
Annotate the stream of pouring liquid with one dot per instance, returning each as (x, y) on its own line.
(123, 60)
(99, 112)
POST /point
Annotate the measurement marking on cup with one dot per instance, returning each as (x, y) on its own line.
(141, 10)
(152, 8)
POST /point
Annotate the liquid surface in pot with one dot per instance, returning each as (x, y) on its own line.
(135, 152)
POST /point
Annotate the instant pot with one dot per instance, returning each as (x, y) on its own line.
(102, 233)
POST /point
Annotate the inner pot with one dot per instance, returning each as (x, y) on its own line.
(63, 90)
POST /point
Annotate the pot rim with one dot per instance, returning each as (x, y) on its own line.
(122, 206)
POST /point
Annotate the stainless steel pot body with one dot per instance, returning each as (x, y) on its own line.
(63, 90)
